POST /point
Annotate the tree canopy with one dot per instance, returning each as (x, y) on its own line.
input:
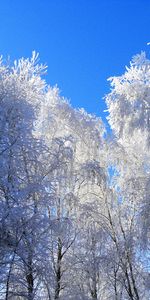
(74, 200)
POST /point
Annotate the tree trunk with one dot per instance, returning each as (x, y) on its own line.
(30, 279)
(8, 278)
(58, 270)
(94, 294)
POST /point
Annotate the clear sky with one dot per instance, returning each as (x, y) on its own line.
(83, 42)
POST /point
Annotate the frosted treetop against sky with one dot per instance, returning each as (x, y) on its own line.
(74, 204)
(83, 42)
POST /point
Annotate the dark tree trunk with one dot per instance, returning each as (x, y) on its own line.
(30, 279)
(58, 270)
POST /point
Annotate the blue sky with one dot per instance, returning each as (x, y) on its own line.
(83, 42)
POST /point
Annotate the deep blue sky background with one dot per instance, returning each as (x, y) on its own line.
(83, 42)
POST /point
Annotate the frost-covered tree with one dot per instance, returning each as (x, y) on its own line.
(22, 191)
(74, 205)
(129, 117)
(49, 155)
(78, 179)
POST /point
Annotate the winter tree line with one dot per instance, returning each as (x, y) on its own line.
(74, 199)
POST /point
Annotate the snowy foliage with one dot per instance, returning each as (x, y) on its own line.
(74, 205)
